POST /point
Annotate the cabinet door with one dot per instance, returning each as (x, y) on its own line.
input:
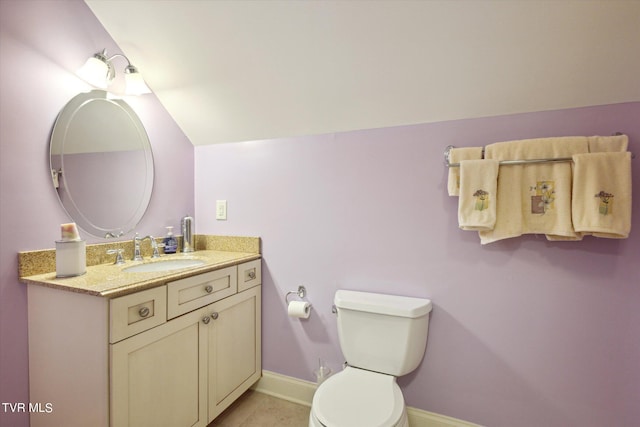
(158, 377)
(234, 343)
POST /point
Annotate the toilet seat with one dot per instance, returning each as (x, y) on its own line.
(356, 397)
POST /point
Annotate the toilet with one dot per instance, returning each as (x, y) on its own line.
(382, 337)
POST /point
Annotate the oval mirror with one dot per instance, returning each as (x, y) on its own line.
(101, 164)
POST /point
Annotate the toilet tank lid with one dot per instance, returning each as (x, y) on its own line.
(392, 305)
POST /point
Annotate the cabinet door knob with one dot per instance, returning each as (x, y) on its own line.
(206, 320)
(252, 274)
(208, 289)
(214, 315)
(143, 312)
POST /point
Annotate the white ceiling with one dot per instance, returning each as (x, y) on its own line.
(246, 70)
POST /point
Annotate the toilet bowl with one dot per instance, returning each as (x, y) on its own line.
(358, 398)
(382, 337)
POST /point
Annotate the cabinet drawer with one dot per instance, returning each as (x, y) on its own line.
(249, 275)
(132, 314)
(194, 292)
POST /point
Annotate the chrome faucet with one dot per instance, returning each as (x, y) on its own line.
(137, 256)
(136, 248)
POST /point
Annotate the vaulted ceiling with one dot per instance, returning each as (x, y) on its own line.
(247, 70)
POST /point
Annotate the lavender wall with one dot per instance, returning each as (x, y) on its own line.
(524, 332)
(42, 43)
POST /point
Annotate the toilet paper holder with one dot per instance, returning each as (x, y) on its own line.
(301, 292)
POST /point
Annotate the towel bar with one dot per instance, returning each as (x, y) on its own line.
(447, 152)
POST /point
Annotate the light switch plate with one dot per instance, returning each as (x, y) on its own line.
(221, 209)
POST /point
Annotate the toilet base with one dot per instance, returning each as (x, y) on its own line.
(403, 422)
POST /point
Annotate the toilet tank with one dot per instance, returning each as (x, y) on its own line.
(382, 333)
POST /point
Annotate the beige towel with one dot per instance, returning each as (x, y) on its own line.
(477, 202)
(456, 155)
(600, 144)
(602, 194)
(534, 198)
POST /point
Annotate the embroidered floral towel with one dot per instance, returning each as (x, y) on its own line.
(602, 194)
(534, 198)
(477, 201)
(456, 155)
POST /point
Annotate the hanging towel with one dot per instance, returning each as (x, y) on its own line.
(602, 194)
(534, 198)
(477, 202)
(456, 155)
(548, 209)
(600, 144)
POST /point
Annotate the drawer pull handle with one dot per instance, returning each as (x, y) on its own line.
(252, 275)
(143, 312)
(206, 320)
(214, 315)
(209, 289)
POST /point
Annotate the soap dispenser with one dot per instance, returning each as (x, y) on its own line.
(170, 242)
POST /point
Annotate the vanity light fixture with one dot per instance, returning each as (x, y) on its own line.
(99, 71)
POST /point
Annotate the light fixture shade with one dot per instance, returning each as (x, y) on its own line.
(95, 72)
(100, 72)
(135, 84)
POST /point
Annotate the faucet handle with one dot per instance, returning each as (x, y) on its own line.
(118, 252)
(155, 246)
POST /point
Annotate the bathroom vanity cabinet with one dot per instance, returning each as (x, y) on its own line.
(172, 355)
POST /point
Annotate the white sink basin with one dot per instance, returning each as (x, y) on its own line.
(168, 265)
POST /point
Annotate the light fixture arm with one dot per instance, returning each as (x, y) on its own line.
(112, 70)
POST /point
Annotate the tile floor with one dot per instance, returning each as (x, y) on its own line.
(255, 409)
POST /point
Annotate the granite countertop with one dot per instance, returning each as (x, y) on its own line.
(109, 280)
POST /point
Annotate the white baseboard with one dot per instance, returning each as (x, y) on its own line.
(301, 392)
(287, 388)
(420, 418)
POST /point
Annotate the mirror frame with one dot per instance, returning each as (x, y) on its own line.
(68, 121)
